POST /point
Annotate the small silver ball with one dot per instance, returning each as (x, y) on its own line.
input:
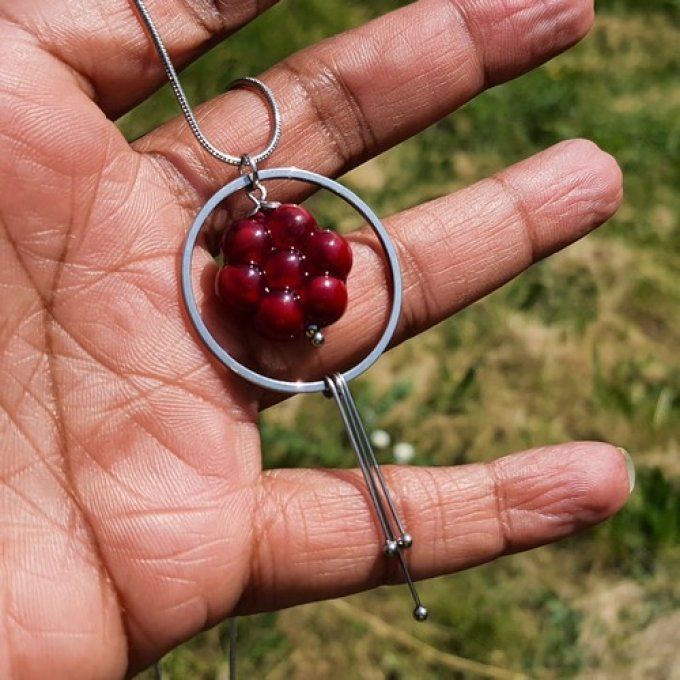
(391, 548)
(420, 613)
(405, 541)
(311, 331)
(318, 339)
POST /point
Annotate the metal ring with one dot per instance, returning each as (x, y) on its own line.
(290, 387)
(261, 88)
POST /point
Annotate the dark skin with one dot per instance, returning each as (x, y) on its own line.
(134, 510)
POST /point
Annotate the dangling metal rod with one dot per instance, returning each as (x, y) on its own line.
(370, 468)
(368, 455)
(404, 540)
(390, 547)
(361, 443)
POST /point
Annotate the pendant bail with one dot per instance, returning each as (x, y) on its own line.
(248, 167)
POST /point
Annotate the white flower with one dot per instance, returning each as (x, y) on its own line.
(380, 439)
(403, 452)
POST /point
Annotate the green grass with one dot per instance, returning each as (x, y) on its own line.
(582, 346)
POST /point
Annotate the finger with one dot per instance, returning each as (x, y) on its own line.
(352, 96)
(456, 249)
(107, 44)
(316, 534)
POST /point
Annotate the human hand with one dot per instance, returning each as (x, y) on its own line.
(134, 506)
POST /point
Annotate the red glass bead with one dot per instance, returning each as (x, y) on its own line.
(284, 269)
(247, 242)
(329, 253)
(290, 226)
(325, 300)
(240, 286)
(280, 316)
(284, 272)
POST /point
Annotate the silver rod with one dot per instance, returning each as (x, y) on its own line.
(409, 581)
(356, 428)
(350, 416)
(404, 539)
(420, 613)
(340, 401)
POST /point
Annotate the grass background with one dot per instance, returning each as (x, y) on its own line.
(583, 346)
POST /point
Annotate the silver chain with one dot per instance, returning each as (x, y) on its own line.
(188, 112)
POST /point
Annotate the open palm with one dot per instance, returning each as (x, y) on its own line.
(133, 506)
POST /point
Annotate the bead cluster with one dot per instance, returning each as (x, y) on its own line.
(284, 272)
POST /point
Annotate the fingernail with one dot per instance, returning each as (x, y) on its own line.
(630, 469)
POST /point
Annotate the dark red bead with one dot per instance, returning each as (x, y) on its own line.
(246, 242)
(240, 286)
(280, 316)
(290, 226)
(329, 253)
(283, 269)
(325, 300)
(284, 272)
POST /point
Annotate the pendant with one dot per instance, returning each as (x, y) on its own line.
(288, 276)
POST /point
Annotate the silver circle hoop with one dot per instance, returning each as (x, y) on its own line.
(362, 208)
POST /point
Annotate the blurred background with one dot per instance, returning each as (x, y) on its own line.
(583, 346)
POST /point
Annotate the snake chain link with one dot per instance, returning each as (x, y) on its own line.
(188, 112)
